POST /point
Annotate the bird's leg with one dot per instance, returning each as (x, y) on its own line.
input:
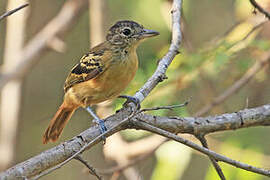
(100, 122)
(132, 99)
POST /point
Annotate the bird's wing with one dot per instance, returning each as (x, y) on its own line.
(90, 66)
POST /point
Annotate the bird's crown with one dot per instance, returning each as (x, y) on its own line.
(128, 33)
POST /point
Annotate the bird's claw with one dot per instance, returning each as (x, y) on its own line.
(102, 128)
(130, 99)
(99, 122)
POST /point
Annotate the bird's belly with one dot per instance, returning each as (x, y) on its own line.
(115, 80)
(106, 86)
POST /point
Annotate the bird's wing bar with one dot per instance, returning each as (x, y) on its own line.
(89, 67)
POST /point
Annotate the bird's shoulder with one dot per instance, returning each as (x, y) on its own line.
(91, 65)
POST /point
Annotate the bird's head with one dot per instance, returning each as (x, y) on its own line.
(128, 33)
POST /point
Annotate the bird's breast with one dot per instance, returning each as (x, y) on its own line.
(118, 74)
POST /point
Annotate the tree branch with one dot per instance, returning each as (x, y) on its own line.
(159, 74)
(99, 137)
(91, 169)
(203, 150)
(259, 116)
(218, 169)
(204, 125)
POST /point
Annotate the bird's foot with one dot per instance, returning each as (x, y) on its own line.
(130, 99)
(99, 122)
(102, 128)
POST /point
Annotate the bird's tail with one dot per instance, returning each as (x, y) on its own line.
(58, 123)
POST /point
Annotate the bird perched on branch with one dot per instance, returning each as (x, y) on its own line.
(101, 74)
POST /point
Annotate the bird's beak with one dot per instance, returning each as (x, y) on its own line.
(149, 33)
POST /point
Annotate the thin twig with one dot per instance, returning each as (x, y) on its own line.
(262, 10)
(13, 11)
(216, 156)
(165, 107)
(218, 169)
(91, 169)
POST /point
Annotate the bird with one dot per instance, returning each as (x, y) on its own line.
(101, 74)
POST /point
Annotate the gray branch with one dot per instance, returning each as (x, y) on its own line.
(259, 116)
(212, 154)
(159, 74)
(204, 125)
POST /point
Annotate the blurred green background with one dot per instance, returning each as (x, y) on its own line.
(211, 60)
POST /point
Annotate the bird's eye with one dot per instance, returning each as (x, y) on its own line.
(126, 32)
